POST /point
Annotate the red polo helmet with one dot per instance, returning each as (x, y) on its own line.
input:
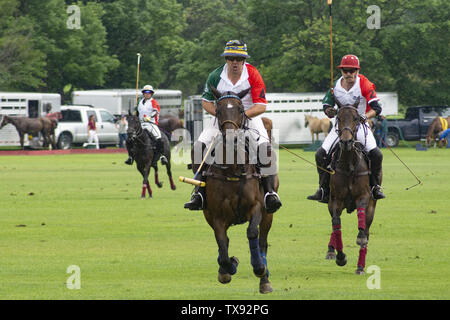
(349, 61)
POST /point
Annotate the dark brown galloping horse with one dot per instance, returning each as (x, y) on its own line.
(349, 188)
(234, 195)
(33, 126)
(146, 155)
(434, 130)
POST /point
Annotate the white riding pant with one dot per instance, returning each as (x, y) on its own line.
(255, 125)
(152, 128)
(93, 137)
(364, 136)
(258, 134)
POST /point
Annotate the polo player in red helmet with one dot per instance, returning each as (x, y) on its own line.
(350, 87)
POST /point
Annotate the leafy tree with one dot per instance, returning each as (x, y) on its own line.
(22, 67)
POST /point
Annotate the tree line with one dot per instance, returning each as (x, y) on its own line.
(61, 46)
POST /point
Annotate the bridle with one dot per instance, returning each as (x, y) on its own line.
(341, 130)
(241, 109)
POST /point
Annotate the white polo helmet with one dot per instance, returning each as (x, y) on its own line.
(148, 88)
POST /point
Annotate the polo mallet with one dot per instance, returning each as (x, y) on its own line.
(194, 181)
(331, 46)
(137, 77)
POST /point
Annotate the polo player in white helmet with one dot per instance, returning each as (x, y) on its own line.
(148, 112)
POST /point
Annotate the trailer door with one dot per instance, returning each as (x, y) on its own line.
(33, 108)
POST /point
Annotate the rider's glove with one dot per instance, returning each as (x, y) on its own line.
(330, 112)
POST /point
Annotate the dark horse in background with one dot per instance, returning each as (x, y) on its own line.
(145, 154)
(349, 188)
(234, 195)
(435, 129)
(33, 126)
(169, 123)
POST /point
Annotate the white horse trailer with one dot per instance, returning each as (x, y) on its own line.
(119, 101)
(287, 112)
(24, 104)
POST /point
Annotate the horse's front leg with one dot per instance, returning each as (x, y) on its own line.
(368, 219)
(21, 140)
(264, 228)
(259, 269)
(145, 171)
(335, 208)
(227, 265)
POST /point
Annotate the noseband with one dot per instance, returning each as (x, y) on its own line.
(221, 123)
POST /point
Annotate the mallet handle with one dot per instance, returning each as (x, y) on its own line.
(192, 181)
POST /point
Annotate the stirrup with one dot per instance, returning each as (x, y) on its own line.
(129, 161)
(164, 160)
(192, 205)
(276, 204)
(376, 192)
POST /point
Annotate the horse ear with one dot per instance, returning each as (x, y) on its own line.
(338, 103)
(355, 105)
(243, 93)
(215, 92)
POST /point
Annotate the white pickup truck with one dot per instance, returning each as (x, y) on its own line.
(72, 129)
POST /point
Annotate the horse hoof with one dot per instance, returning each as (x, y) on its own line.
(330, 256)
(361, 241)
(265, 288)
(260, 273)
(173, 187)
(341, 260)
(359, 271)
(224, 278)
(159, 185)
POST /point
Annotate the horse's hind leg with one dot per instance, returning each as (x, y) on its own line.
(157, 182)
(264, 228)
(227, 265)
(169, 173)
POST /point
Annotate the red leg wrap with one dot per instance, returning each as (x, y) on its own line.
(362, 257)
(362, 218)
(337, 237)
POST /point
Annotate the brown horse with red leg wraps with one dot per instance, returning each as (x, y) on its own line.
(349, 188)
(233, 191)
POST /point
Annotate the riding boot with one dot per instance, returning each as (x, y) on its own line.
(160, 150)
(376, 159)
(272, 201)
(323, 193)
(198, 198)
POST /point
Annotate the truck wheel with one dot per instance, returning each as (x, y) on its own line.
(65, 141)
(392, 139)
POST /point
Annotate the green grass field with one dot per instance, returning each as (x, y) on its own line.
(85, 210)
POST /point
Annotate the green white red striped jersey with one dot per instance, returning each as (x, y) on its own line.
(250, 78)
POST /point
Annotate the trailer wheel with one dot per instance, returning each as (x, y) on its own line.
(65, 141)
(392, 139)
